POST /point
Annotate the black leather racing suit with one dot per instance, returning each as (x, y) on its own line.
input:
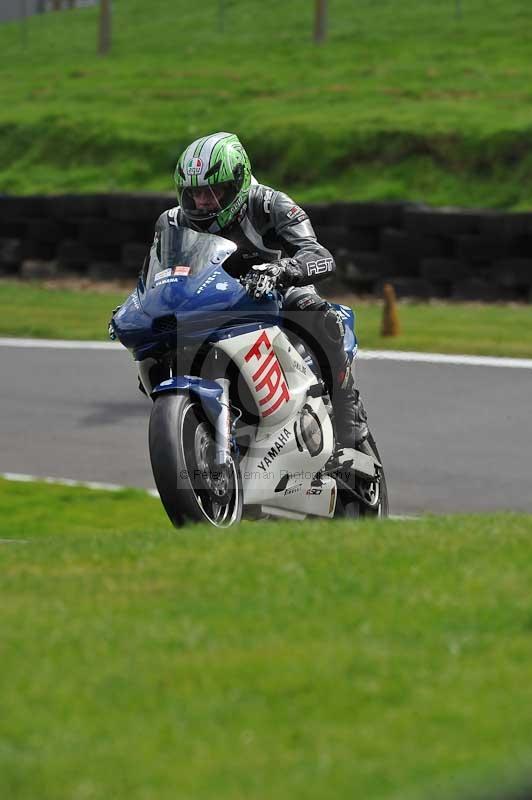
(269, 227)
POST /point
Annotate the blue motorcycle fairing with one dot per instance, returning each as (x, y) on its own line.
(205, 315)
(206, 391)
(169, 308)
(130, 317)
(212, 293)
(201, 305)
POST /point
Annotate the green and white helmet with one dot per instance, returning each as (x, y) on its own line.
(213, 177)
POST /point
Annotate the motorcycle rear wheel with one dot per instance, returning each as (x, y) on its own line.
(374, 492)
(192, 489)
(377, 491)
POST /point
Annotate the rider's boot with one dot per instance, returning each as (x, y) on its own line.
(349, 412)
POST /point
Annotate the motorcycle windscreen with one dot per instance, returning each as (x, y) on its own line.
(182, 252)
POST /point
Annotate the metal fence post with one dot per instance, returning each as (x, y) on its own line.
(320, 21)
(24, 23)
(104, 44)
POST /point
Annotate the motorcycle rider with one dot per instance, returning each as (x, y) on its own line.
(277, 249)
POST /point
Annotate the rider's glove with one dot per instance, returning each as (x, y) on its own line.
(264, 278)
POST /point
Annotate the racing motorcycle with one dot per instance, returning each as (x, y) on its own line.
(241, 423)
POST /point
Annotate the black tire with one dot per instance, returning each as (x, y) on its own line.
(376, 493)
(181, 442)
(382, 508)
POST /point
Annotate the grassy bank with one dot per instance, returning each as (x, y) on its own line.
(32, 310)
(410, 102)
(279, 660)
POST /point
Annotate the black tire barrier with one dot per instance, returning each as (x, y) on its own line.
(459, 254)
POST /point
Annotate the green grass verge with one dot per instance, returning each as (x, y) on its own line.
(404, 101)
(488, 330)
(28, 309)
(317, 660)
(31, 310)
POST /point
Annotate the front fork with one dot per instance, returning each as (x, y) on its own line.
(222, 426)
(212, 394)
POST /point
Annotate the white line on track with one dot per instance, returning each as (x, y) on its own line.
(106, 487)
(444, 358)
(60, 344)
(13, 541)
(364, 355)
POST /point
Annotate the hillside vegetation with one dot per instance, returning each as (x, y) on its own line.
(404, 100)
(296, 661)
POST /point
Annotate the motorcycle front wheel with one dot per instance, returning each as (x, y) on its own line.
(182, 447)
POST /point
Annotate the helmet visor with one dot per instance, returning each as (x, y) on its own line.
(206, 202)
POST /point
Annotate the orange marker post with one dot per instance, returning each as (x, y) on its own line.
(390, 315)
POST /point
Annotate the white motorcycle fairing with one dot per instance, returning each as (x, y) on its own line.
(294, 437)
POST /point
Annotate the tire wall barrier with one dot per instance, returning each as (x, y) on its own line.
(424, 252)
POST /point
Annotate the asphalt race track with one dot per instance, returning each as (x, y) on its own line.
(452, 437)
